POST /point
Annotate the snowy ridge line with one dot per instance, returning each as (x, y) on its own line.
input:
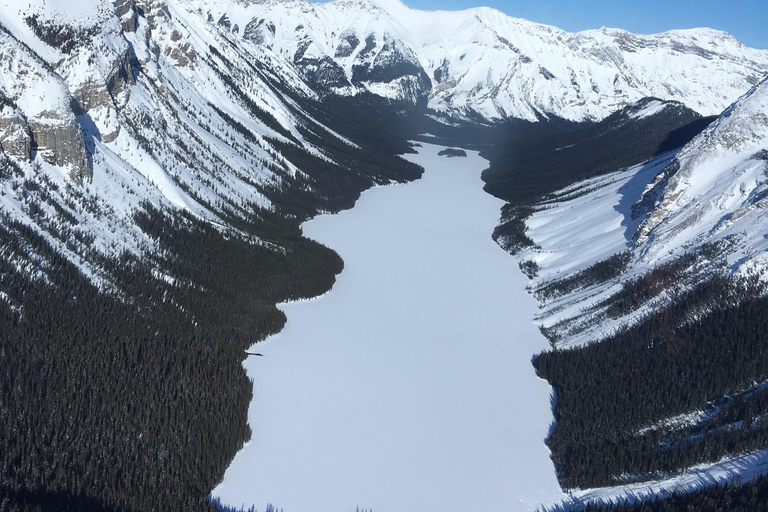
(594, 184)
(482, 62)
(740, 469)
(172, 111)
(652, 108)
(697, 212)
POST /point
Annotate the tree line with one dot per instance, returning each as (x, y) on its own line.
(134, 398)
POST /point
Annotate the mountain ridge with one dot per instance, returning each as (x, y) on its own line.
(651, 282)
(534, 82)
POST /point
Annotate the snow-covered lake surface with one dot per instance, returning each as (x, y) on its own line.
(409, 386)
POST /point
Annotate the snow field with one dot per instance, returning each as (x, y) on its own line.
(576, 232)
(409, 386)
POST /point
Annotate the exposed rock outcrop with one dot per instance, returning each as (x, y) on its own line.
(96, 92)
(127, 12)
(714, 180)
(15, 137)
(59, 141)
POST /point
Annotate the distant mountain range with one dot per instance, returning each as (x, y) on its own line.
(480, 62)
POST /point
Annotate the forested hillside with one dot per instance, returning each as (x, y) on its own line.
(525, 167)
(660, 358)
(136, 399)
(157, 159)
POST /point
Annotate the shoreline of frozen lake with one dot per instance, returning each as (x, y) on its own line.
(409, 386)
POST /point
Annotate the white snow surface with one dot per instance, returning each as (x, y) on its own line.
(714, 190)
(579, 230)
(744, 468)
(650, 109)
(155, 135)
(409, 386)
(721, 185)
(711, 191)
(504, 67)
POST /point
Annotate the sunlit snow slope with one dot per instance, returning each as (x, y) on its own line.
(643, 274)
(708, 196)
(108, 109)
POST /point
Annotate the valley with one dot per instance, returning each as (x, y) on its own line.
(408, 386)
(167, 165)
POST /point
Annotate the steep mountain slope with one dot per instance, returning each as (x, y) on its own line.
(715, 187)
(153, 176)
(525, 167)
(159, 108)
(171, 104)
(651, 283)
(710, 194)
(482, 62)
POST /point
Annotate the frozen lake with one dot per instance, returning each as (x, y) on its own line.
(409, 386)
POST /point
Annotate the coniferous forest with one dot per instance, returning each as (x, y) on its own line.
(705, 350)
(136, 399)
(613, 397)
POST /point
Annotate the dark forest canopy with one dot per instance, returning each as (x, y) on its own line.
(140, 404)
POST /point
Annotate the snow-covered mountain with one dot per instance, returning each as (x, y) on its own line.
(708, 199)
(651, 283)
(216, 107)
(480, 61)
(106, 109)
(715, 187)
(140, 135)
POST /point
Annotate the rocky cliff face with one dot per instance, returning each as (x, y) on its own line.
(15, 137)
(109, 109)
(128, 14)
(58, 140)
(37, 118)
(199, 104)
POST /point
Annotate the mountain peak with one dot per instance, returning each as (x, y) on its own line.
(477, 62)
(482, 62)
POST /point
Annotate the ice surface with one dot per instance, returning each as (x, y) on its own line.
(409, 386)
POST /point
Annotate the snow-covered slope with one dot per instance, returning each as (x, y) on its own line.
(708, 199)
(716, 186)
(109, 107)
(642, 276)
(106, 109)
(199, 105)
(482, 61)
(205, 106)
